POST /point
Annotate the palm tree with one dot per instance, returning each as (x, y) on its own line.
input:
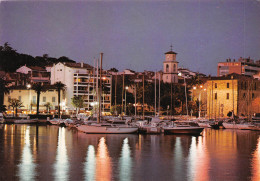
(59, 86)
(38, 88)
(15, 104)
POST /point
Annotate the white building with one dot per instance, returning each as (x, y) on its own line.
(79, 78)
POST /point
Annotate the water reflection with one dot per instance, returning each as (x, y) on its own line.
(178, 159)
(103, 161)
(256, 163)
(27, 166)
(61, 166)
(198, 164)
(125, 162)
(90, 164)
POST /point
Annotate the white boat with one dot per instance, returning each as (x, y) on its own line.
(246, 126)
(107, 128)
(25, 121)
(68, 122)
(55, 121)
(230, 125)
(152, 128)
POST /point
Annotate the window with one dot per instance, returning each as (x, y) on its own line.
(227, 85)
(244, 95)
(227, 95)
(53, 99)
(20, 98)
(34, 100)
(44, 99)
(216, 85)
(174, 68)
(9, 98)
(167, 68)
(216, 96)
(253, 95)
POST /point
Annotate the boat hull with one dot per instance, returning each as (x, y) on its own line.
(150, 130)
(183, 130)
(89, 129)
(230, 125)
(29, 121)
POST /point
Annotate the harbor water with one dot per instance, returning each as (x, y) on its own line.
(31, 152)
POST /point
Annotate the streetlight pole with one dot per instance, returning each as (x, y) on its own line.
(126, 88)
(29, 88)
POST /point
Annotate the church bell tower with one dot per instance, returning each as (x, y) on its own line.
(170, 67)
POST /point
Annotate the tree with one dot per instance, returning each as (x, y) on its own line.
(59, 86)
(48, 106)
(15, 104)
(38, 88)
(78, 102)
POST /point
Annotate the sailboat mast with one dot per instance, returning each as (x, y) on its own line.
(100, 88)
(159, 101)
(97, 93)
(155, 94)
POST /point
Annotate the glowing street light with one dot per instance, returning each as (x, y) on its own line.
(126, 88)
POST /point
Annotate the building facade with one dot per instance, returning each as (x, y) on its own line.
(80, 80)
(233, 93)
(28, 97)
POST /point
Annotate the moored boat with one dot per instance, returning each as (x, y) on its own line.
(25, 121)
(107, 129)
(182, 129)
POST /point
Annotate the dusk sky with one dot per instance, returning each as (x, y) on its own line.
(135, 34)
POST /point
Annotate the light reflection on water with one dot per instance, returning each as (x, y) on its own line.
(125, 162)
(256, 163)
(27, 166)
(61, 166)
(90, 165)
(103, 161)
(53, 153)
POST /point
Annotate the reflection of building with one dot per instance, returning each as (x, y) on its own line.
(233, 92)
(79, 79)
(245, 66)
(170, 67)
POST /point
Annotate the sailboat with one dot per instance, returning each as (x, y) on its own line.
(105, 128)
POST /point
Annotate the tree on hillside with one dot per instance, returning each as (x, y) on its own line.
(15, 104)
(59, 86)
(38, 88)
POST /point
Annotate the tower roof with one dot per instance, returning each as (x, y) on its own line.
(170, 52)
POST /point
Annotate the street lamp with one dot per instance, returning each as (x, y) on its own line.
(185, 93)
(126, 88)
(29, 88)
(104, 78)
